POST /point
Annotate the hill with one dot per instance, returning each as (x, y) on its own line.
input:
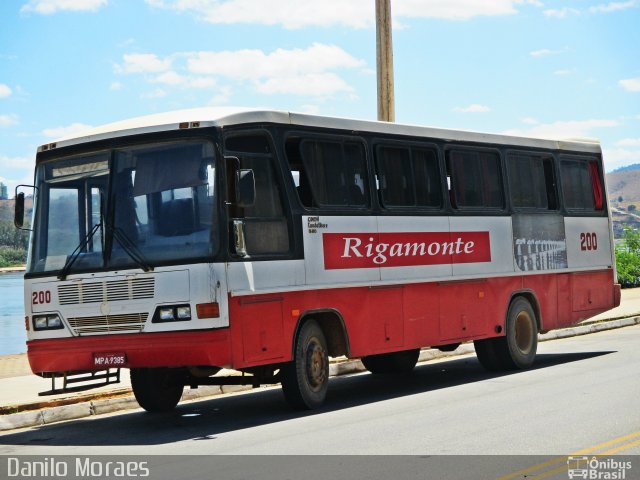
(623, 188)
(6, 209)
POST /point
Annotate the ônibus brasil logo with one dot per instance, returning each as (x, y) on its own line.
(404, 249)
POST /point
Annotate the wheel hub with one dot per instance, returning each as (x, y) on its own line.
(316, 365)
(524, 332)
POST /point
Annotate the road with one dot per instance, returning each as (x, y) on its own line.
(582, 393)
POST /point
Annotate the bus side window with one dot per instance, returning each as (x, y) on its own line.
(475, 179)
(408, 177)
(266, 228)
(581, 184)
(298, 172)
(532, 181)
(332, 173)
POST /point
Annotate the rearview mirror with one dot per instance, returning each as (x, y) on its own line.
(18, 214)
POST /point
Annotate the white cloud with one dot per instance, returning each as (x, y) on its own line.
(21, 172)
(619, 157)
(222, 96)
(613, 7)
(48, 7)
(545, 52)
(473, 108)
(310, 109)
(565, 129)
(596, 9)
(170, 78)
(157, 93)
(563, 72)
(8, 120)
(115, 86)
(530, 121)
(313, 71)
(143, 63)
(16, 163)
(5, 91)
(631, 84)
(316, 84)
(629, 142)
(353, 13)
(562, 12)
(249, 64)
(66, 131)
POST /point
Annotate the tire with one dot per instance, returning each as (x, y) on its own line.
(517, 349)
(394, 362)
(522, 335)
(305, 379)
(156, 389)
(487, 354)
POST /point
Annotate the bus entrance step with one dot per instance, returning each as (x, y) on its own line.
(87, 381)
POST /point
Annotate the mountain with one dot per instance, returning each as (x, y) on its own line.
(635, 166)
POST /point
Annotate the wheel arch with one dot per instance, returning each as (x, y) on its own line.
(531, 297)
(332, 324)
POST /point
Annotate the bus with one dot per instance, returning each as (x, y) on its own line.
(176, 245)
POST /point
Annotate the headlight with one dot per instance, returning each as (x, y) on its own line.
(172, 313)
(47, 322)
(183, 313)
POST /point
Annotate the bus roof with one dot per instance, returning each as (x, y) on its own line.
(227, 116)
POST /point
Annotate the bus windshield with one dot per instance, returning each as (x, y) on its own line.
(127, 208)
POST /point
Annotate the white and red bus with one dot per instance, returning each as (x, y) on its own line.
(264, 241)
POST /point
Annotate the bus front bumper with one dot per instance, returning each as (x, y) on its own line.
(172, 349)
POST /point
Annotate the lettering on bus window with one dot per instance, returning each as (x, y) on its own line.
(476, 179)
(408, 177)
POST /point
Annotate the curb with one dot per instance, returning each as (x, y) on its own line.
(122, 399)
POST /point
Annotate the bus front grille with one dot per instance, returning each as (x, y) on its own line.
(131, 322)
(108, 291)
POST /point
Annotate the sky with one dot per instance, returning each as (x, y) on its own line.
(544, 68)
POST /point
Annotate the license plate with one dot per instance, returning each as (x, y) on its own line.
(111, 359)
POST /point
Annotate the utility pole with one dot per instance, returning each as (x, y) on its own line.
(384, 61)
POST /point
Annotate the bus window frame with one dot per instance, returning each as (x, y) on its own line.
(586, 158)
(275, 153)
(556, 181)
(443, 209)
(483, 210)
(302, 136)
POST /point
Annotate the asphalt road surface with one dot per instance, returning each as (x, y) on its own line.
(581, 397)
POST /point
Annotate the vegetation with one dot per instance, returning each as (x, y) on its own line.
(13, 245)
(628, 258)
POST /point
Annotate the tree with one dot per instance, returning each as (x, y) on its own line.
(631, 208)
(628, 258)
(13, 244)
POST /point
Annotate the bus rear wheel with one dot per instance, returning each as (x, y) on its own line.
(394, 362)
(156, 389)
(305, 380)
(517, 349)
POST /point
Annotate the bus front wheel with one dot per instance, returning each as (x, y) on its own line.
(517, 349)
(156, 389)
(305, 380)
(394, 362)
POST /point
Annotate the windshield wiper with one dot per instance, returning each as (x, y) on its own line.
(131, 249)
(76, 253)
